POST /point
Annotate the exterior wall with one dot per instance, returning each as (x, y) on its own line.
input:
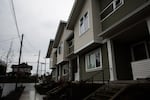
(128, 7)
(148, 24)
(54, 77)
(80, 41)
(53, 59)
(97, 28)
(61, 57)
(98, 74)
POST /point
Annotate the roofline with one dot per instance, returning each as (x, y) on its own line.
(77, 6)
(61, 27)
(50, 47)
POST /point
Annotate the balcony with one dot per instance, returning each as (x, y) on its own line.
(70, 47)
(54, 61)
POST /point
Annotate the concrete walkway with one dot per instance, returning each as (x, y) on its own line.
(29, 93)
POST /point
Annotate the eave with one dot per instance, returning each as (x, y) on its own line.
(77, 7)
(50, 47)
(59, 32)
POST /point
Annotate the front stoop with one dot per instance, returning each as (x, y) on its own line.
(122, 90)
(71, 91)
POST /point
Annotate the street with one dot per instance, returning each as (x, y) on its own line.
(29, 93)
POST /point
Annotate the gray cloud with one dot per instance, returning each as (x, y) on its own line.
(37, 20)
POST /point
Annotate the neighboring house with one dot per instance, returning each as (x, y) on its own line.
(126, 29)
(23, 69)
(52, 58)
(57, 52)
(2, 68)
(110, 40)
(90, 60)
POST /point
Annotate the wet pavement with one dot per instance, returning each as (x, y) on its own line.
(29, 93)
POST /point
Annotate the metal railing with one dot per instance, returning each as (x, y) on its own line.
(91, 79)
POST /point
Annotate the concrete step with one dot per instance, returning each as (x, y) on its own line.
(106, 92)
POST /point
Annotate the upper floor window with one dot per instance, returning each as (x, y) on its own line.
(84, 23)
(93, 60)
(111, 8)
(60, 48)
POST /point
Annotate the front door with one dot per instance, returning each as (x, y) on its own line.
(74, 68)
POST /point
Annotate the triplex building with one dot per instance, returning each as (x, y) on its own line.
(103, 40)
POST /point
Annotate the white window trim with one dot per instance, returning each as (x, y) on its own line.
(114, 9)
(61, 48)
(80, 34)
(96, 68)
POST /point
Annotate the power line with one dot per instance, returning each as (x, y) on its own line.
(15, 19)
(29, 43)
(8, 39)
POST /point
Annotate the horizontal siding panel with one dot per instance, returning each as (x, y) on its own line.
(141, 69)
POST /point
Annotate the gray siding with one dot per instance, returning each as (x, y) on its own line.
(128, 7)
(96, 19)
(141, 69)
(98, 75)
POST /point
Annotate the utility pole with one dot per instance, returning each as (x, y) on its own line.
(7, 58)
(8, 54)
(37, 67)
(45, 67)
(20, 53)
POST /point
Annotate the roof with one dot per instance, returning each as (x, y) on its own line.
(2, 63)
(23, 65)
(77, 7)
(60, 29)
(50, 47)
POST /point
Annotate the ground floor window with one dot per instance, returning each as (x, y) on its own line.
(65, 69)
(93, 60)
(140, 51)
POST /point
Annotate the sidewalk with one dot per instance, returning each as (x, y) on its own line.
(29, 93)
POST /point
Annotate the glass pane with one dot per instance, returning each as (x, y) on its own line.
(86, 24)
(81, 21)
(97, 54)
(139, 52)
(118, 3)
(92, 61)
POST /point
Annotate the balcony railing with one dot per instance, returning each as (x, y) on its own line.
(54, 60)
(71, 49)
(70, 46)
(110, 9)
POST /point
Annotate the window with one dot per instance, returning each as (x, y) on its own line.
(65, 69)
(84, 23)
(112, 7)
(117, 3)
(140, 51)
(93, 60)
(60, 48)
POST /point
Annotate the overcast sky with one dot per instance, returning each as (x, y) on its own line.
(37, 20)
